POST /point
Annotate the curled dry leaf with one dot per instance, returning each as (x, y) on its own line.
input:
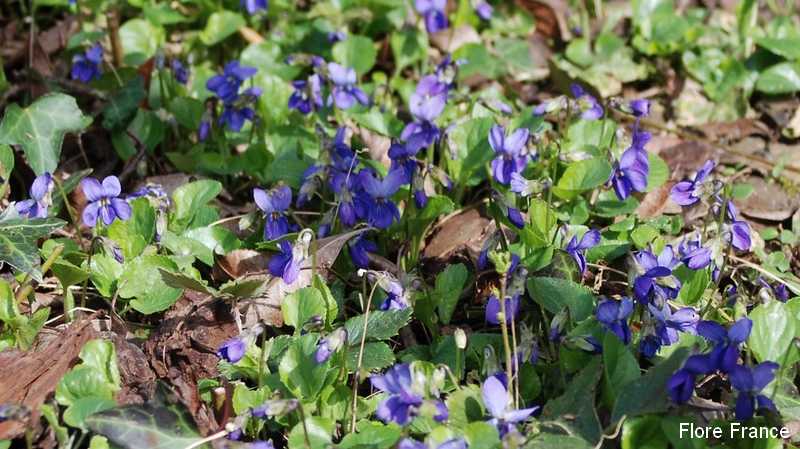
(550, 15)
(687, 157)
(452, 39)
(266, 307)
(462, 232)
(28, 378)
(768, 201)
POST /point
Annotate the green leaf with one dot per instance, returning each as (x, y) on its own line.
(140, 40)
(357, 52)
(373, 435)
(40, 129)
(61, 432)
(160, 426)
(319, 434)
(469, 150)
(482, 435)
(783, 78)
(217, 239)
(377, 356)
(449, 284)
(581, 176)
(189, 198)
(134, 234)
(774, 329)
(187, 111)
(465, 405)
(75, 415)
(554, 294)
(381, 325)
(18, 238)
(300, 306)
(648, 394)
(142, 282)
(619, 365)
(220, 25)
(409, 45)
(643, 432)
(578, 401)
(6, 163)
(123, 105)
(89, 387)
(299, 371)
(659, 172)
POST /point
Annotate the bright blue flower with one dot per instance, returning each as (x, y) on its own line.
(235, 113)
(402, 402)
(726, 343)
(687, 193)
(232, 350)
(694, 255)
(613, 315)
(253, 6)
(510, 157)
(39, 203)
(657, 283)
(179, 71)
(591, 108)
(87, 66)
(286, 263)
(274, 204)
(434, 12)
(493, 309)
(226, 86)
(749, 383)
(103, 201)
(669, 323)
(382, 211)
(577, 249)
(345, 93)
(499, 405)
(360, 248)
(681, 385)
(307, 95)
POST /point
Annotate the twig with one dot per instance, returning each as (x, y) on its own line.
(361, 357)
(613, 435)
(763, 271)
(216, 436)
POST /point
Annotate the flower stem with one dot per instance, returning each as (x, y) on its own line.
(504, 331)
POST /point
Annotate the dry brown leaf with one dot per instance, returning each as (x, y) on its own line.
(768, 201)
(463, 231)
(687, 157)
(28, 378)
(550, 17)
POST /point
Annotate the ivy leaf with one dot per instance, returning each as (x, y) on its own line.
(123, 104)
(40, 129)
(18, 238)
(162, 427)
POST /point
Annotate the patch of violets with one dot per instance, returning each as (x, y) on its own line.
(237, 106)
(657, 283)
(405, 395)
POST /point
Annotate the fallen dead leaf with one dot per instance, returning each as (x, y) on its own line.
(657, 202)
(768, 201)
(462, 232)
(734, 131)
(687, 157)
(550, 16)
(28, 378)
(452, 39)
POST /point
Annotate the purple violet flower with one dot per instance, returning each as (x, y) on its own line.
(681, 385)
(261, 444)
(749, 383)
(226, 86)
(498, 403)
(434, 12)
(738, 233)
(360, 248)
(694, 255)
(345, 93)
(631, 171)
(274, 204)
(307, 95)
(454, 443)
(726, 343)
(484, 10)
(87, 66)
(179, 71)
(592, 110)
(103, 201)
(39, 203)
(402, 403)
(254, 6)
(382, 211)
(429, 99)
(669, 323)
(687, 193)
(235, 113)
(508, 149)
(286, 263)
(576, 249)
(493, 309)
(657, 282)
(613, 315)
(232, 350)
(640, 107)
